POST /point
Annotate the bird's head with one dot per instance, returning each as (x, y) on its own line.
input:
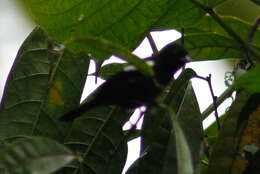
(174, 53)
(169, 60)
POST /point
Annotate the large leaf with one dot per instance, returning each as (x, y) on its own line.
(157, 146)
(209, 41)
(189, 118)
(34, 155)
(183, 152)
(99, 46)
(250, 81)
(99, 140)
(242, 28)
(213, 46)
(123, 22)
(225, 156)
(36, 92)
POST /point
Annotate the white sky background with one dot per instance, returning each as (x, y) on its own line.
(14, 28)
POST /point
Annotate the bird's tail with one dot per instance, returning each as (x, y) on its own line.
(73, 114)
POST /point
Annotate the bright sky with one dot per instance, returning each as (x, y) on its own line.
(15, 28)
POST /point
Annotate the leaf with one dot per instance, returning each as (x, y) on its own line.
(36, 92)
(184, 156)
(179, 14)
(189, 118)
(212, 46)
(122, 22)
(209, 41)
(111, 69)
(98, 47)
(99, 140)
(211, 132)
(208, 24)
(250, 80)
(34, 155)
(157, 128)
(226, 149)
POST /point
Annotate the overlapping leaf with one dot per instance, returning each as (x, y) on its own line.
(36, 92)
(99, 47)
(158, 142)
(226, 149)
(34, 155)
(209, 41)
(242, 28)
(250, 80)
(99, 140)
(111, 69)
(123, 22)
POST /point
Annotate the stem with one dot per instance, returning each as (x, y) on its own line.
(226, 94)
(152, 43)
(182, 36)
(214, 101)
(215, 106)
(253, 30)
(226, 27)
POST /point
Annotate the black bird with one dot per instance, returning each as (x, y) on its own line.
(132, 88)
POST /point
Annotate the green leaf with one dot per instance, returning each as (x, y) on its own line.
(209, 41)
(250, 81)
(179, 14)
(242, 28)
(98, 47)
(212, 46)
(34, 155)
(111, 69)
(184, 156)
(157, 128)
(122, 22)
(173, 98)
(99, 140)
(36, 93)
(212, 130)
(226, 147)
(189, 118)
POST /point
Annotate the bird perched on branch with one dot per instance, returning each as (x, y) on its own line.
(132, 88)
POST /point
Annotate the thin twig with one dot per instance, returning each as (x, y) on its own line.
(231, 32)
(182, 36)
(152, 43)
(214, 101)
(226, 94)
(253, 30)
(250, 39)
(208, 79)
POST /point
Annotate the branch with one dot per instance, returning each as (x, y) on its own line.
(182, 36)
(253, 30)
(152, 43)
(226, 27)
(208, 79)
(226, 94)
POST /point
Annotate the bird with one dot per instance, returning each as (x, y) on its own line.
(131, 88)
